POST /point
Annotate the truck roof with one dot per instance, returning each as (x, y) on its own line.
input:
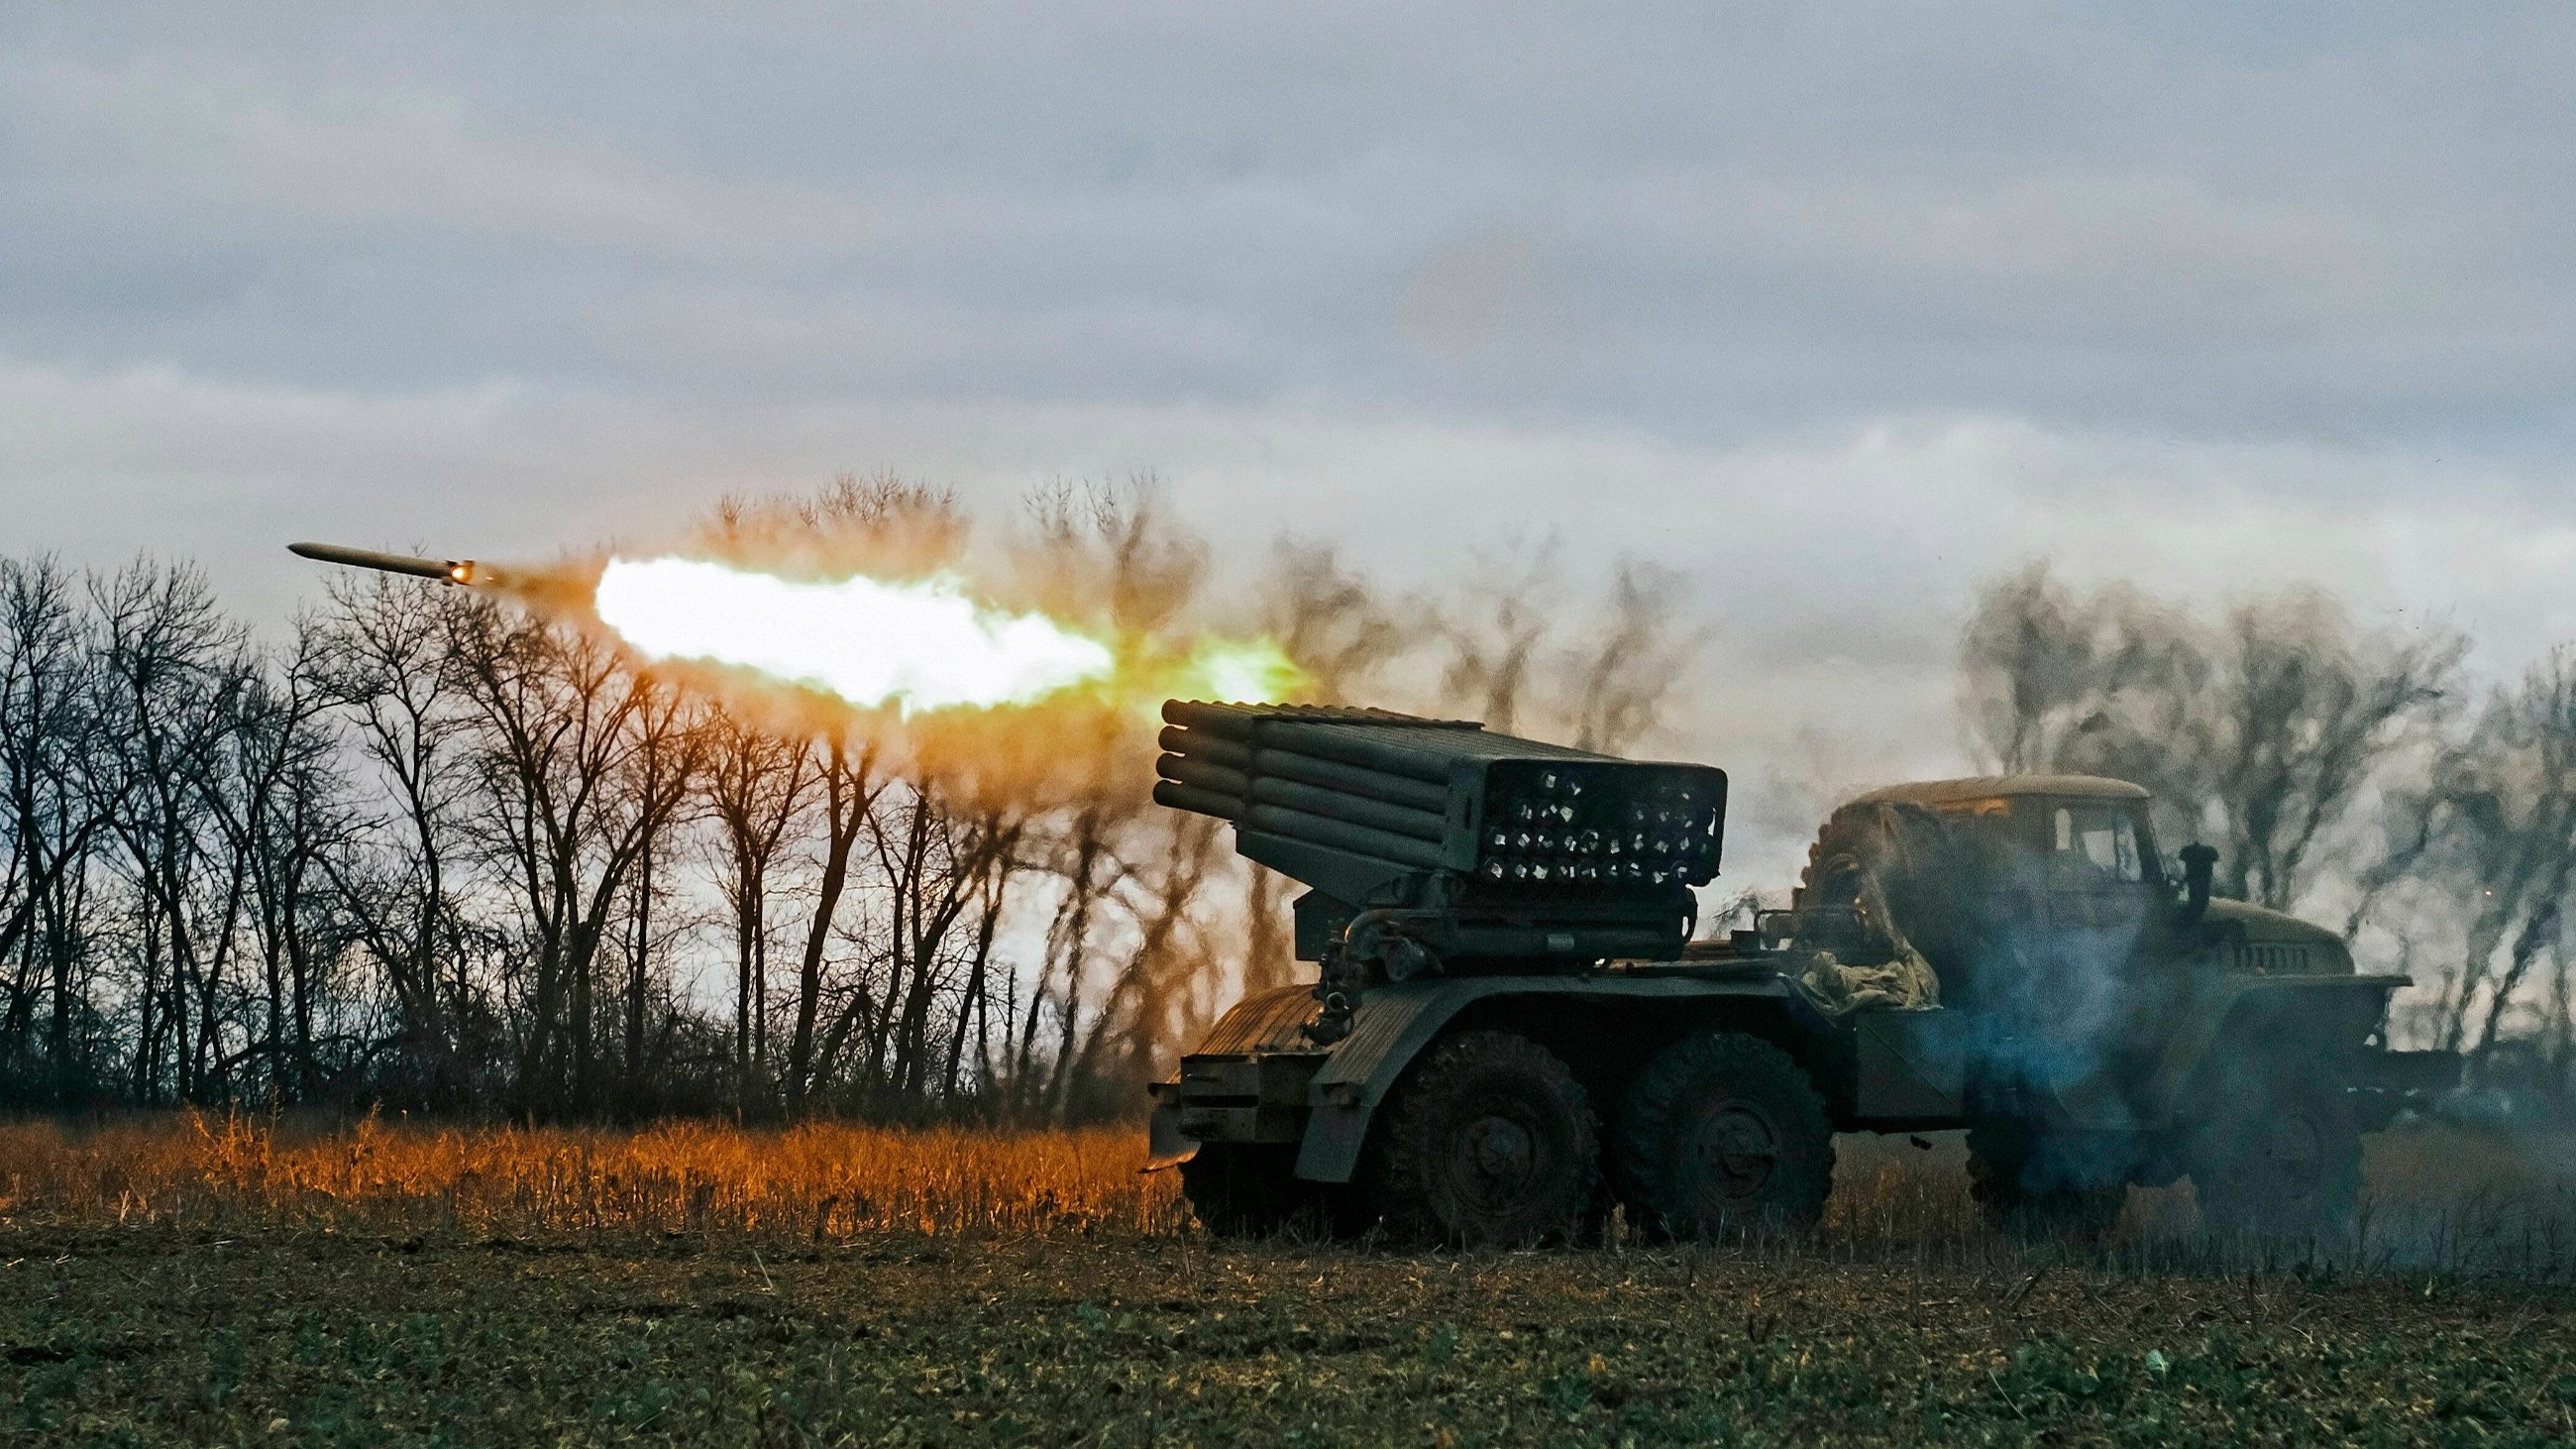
(1987, 787)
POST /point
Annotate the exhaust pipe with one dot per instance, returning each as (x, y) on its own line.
(2199, 863)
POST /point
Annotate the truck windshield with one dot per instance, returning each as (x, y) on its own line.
(2095, 845)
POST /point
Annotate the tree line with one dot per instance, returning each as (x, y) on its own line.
(441, 850)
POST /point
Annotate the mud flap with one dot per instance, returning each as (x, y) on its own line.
(1334, 1135)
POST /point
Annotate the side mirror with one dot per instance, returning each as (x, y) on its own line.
(2199, 863)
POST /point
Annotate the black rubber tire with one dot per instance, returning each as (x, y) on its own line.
(1245, 1189)
(1489, 1143)
(1723, 1133)
(1999, 1156)
(2284, 1162)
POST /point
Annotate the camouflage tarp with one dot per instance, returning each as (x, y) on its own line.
(1905, 981)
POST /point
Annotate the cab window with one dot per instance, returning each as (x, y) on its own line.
(2094, 845)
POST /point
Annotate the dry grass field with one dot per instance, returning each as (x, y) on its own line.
(211, 1282)
(813, 1183)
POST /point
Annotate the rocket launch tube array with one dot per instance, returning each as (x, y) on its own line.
(1325, 783)
(1383, 792)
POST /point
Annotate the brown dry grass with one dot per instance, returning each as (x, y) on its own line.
(2437, 1199)
(817, 1181)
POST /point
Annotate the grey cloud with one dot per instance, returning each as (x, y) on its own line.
(240, 142)
(422, 164)
(1455, 301)
(1766, 217)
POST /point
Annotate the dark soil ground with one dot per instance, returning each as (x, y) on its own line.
(157, 1336)
(1901, 1322)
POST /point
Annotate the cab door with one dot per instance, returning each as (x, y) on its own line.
(2099, 903)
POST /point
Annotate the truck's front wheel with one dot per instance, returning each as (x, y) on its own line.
(1489, 1143)
(1724, 1132)
(2286, 1162)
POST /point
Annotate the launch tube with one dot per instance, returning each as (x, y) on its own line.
(1205, 776)
(1204, 802)
(1355, 809)
(1353, 779)
(1354, 746)
(1341, 835)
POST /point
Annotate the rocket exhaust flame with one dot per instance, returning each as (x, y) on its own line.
(913, 646)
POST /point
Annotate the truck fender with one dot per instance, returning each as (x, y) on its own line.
(2169, 1087)
(1393, 1025)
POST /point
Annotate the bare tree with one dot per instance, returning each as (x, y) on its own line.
(276, 811)
(1621, 678)
(885, 525)
(1340, 630)
(1497, 638)
(2262, 728)
(387, 662)
(581, 764)
(935, 863)
(52, 816)
(2315, 712)
(848, 776)
(173, 674)
(756, 787)
(1115, 553)
(670, 738)
(1169, 973)
(1080, 853)
(2504, 814)
(2111, 682)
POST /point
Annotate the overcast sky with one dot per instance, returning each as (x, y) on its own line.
(1841, 309)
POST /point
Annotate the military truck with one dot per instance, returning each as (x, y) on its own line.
(1515, 1029)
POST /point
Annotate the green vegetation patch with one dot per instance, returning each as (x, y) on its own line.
(155, 1336)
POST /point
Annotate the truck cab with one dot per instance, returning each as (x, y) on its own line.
(2103, 1018)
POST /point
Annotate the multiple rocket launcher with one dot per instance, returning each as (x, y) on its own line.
(1493, 846)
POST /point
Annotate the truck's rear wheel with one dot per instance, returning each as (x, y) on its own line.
(2282, 1162)
(1723, 1132)
(2020, 1193)
(1489, 1143)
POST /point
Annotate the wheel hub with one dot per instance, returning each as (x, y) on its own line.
(1736, 1149)
(2292, 1158)
(1494, 1159)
